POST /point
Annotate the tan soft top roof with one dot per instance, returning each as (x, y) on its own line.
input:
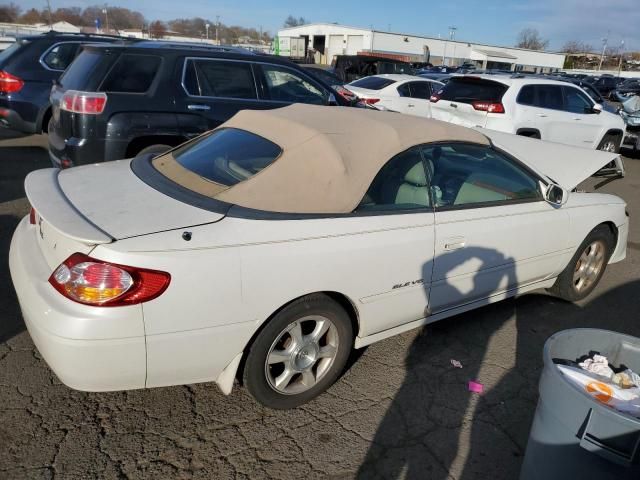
(330, 156)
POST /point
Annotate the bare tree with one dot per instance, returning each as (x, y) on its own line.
(10, 13)
(157, 29)
(530, 38)
(292, 21)
(576, 46)
(31, 16)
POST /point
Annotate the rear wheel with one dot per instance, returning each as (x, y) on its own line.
(610, 143)
(587, 266)
(299, 353)
(155, 149)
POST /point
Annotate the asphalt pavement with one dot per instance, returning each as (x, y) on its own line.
(401, 410)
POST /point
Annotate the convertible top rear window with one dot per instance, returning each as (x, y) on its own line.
(223, 157)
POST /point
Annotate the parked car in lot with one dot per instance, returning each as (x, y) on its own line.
(631, 86)
(604, 84)
(118, 101)
(545, 109)
(271, 246)
(353, 67)
(592, 92)
(27, 69)
(400, 93)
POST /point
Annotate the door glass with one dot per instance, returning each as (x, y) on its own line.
(576, 102)
(216, 78)
(403, 90)
(420, 90)
(285, 85)
(401, 184)
(132, 74)
(60, 56)
(475, 175)
(526, 95)
(549, 96)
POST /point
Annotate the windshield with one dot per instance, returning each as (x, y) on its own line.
(224, 157)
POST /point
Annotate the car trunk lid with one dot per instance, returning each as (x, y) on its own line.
(80, 208)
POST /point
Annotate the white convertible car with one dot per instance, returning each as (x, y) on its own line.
(268, 248)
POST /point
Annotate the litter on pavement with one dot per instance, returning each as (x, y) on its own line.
(456, 363)
(618, 388)
(475, 387)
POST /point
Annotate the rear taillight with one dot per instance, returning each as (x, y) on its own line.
(434, 98)
(32, 216)
(10, 83)
(94, 282)
(489, 107)
(370, 101)
(90, 103)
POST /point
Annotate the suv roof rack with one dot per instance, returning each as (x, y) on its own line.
(82, 34)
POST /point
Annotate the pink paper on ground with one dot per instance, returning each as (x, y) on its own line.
(475, 387)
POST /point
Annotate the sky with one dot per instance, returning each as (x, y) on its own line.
(483, 21)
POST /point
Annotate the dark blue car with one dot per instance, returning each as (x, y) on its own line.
(28, 68)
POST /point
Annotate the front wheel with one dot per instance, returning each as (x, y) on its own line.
(299, 353)
(586, 267)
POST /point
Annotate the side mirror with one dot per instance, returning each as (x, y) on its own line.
(332, 100)
(597, 108)
(556, 195)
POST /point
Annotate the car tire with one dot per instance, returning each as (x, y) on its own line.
(156, 149)
(610, 143)
(299, 353)
(584, 271)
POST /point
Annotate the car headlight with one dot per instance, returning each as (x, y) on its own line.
(633, 120)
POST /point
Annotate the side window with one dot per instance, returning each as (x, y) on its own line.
(132, 74)
(404, 90)
(401, 184)
(464, 174)
(284, 85)
(576, 102)
(218, 78)
(527, 96)
(549, 96)
(60, 56)
(421, 90)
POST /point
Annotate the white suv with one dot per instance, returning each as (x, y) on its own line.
(539, 108)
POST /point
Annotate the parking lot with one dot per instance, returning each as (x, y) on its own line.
(401, 410)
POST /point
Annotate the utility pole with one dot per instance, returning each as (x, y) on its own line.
(106, 17)
(217, 25)
(50, 16)
(206, 25)
(621, 56)
(604, 48)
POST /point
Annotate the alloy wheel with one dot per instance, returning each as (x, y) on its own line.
(301, 354)
(589, 266)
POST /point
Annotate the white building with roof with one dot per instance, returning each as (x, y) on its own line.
(329, 40)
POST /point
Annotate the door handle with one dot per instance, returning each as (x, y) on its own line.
(199, 107)
(455, 243)
(542, 115)
(577, 119)
(411, 105)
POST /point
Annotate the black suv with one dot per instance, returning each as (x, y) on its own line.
(27, 68)
(136, 97)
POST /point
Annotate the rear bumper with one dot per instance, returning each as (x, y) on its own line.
(11, 119)
(81, 344)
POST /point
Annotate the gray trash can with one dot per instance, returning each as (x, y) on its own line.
(574, 436)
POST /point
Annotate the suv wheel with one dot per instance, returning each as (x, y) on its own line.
(299, 353)
(157, 149)
(610, 143)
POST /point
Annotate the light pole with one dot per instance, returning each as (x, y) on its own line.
(452, 37)
(106, 17)
(621, 55)
(217, 25)
(604, 48)
(207, 27)
(50, 16)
